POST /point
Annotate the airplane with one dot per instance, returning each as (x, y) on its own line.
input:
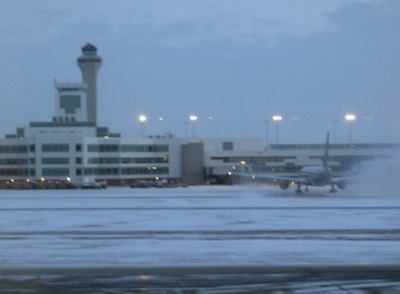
(318, 176)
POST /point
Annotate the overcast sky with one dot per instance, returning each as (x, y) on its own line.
(240, 62)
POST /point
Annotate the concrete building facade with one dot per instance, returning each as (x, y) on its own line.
(75, 152)
(60, 150)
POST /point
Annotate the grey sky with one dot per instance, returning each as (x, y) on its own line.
(237, 61)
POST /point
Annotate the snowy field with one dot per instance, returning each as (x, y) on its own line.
(199, 226)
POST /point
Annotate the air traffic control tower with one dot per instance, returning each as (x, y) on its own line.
(89, 63)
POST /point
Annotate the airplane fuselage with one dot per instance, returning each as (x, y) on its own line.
(316, 175)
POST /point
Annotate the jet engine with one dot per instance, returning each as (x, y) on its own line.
(284, 184)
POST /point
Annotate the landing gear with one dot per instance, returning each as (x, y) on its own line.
(333, 189)
(299, 191)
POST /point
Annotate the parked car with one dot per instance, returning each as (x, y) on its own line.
(141, 184)
(93, 184)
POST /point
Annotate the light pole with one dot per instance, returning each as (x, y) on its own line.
(350, 118)
(277, 119)
(335, 121)
(142, 120)
(186, 128)
(267, 121)
(193, 119)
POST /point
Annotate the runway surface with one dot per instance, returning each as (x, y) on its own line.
(200, 240)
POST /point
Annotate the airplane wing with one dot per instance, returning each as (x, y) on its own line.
(269, 179)
(283, 182)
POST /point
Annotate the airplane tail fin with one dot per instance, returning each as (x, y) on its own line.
(325, 158)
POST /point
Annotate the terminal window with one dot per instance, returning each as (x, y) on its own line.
(227, 145)
(70, 103)
(55, 148)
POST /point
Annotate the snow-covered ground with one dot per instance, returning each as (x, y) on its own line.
(199, 226)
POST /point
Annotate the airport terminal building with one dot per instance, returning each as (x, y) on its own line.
(72, 145)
